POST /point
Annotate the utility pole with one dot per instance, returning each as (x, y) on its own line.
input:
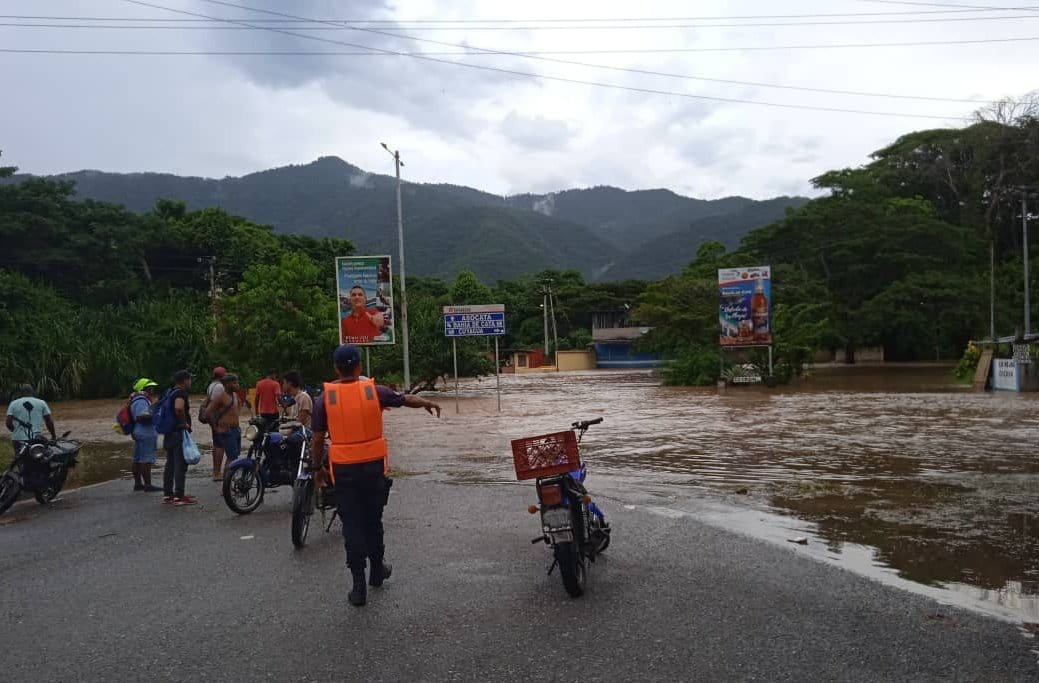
(1024, 241)
(403, 278)
(555, 331)
(544, 310)
(212, 289)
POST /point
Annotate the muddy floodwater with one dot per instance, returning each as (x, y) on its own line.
(892, 471)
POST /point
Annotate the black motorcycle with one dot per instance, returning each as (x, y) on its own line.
(571, 523)
(308, 498)
(272, 460)
(40, 467)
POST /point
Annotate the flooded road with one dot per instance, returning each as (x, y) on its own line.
(892, 472)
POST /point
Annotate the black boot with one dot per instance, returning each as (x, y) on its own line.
(380, 572)
(359, 593)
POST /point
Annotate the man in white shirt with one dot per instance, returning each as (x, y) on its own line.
(24, 423)
(292, 384)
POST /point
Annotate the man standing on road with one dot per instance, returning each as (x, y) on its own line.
(145, 438)
(267, 390)
(363, 324)
(25, 424)
(176, 467)
(303, 407)
(216, 388)
(350, 412)
(224, 413)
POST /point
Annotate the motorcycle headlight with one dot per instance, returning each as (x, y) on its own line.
(37, 451)
(251, 432)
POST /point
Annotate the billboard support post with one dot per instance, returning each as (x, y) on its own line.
(497, 373)
(454, 351)
(368, 361)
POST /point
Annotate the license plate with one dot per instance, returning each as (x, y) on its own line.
(556, 519)
(565, 536)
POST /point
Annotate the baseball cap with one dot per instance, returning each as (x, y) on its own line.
(143, 383)
(219, 371)
(347, 357)
(181, 375)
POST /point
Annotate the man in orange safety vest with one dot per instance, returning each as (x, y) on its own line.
(350, 413)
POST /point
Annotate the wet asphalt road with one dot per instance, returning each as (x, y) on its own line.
(111, 585)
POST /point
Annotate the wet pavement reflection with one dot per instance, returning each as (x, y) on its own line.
(895, 471)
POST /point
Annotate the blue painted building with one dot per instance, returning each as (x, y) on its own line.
(614, 333)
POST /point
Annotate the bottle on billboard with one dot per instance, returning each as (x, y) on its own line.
(759, 312)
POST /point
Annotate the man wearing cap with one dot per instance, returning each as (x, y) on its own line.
(176, 467)
(216, 388)
(350, 413)
(145, 438)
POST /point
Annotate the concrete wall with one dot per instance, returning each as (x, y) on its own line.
(576, 360)
(870, 354)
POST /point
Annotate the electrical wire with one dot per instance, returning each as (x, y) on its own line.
(368, 51)
(302, 25)
(960, 9)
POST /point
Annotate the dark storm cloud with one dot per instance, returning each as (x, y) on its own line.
(430, 95)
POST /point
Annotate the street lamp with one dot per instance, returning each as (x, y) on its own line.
(403, 286)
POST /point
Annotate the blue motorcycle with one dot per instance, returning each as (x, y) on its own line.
(276, 448)
(571, 523)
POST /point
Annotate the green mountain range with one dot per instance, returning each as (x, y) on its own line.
(605, 232)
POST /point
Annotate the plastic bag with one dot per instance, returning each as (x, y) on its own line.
(192, 454)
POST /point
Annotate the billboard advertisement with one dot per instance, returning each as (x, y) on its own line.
(745, 306)
(365, 300)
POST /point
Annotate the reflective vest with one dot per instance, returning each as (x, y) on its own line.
(354, 422)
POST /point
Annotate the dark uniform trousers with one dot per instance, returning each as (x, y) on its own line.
(361, 493)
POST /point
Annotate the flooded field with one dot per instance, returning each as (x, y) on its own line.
(894, 472)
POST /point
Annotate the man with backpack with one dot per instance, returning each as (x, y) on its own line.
(174, 414)
(145, 438)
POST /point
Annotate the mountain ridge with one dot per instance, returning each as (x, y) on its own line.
(448, 227)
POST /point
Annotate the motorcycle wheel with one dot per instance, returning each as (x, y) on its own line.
(9, 490)
(243, 489)
(571, 568)
(54, 487)
(302, 510)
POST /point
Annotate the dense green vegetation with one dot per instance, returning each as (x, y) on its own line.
(899, 253)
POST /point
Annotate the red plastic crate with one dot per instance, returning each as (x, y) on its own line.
(546, 455)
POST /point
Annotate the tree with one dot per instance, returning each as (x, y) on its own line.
(280, 317)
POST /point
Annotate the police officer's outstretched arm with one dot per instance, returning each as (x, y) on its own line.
(412, 401)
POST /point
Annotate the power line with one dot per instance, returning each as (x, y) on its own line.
(645, 72)
(560, 79)
(955, 7)
(391, 53)
(304, 25)
(960, 9)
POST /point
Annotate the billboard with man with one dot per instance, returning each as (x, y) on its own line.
(745, 306)
(365, 298)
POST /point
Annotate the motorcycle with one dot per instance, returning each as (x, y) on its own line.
(272, 460)
(571, 523)
(307, 498)
(40, 467)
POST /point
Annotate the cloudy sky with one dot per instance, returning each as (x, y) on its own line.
(519, 123)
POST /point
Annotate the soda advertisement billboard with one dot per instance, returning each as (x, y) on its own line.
(745, 306)
(365, 300)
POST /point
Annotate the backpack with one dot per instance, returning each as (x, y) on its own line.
(164, 417)
(124, 421)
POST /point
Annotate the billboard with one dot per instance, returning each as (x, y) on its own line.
(486, 320)
(364, 287)
(745, 306)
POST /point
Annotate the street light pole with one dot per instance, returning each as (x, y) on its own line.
(403, 278)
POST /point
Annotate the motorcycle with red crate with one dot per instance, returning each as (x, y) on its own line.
(571, 523)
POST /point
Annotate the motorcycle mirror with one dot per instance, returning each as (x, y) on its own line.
(28, 406)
